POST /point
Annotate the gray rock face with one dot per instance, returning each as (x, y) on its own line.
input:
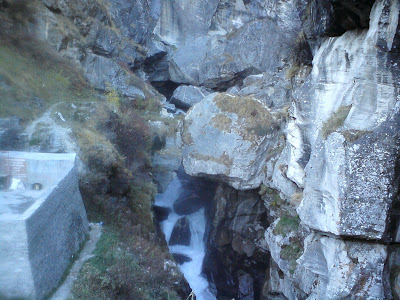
(246, 291)
(326, 267)
(333, 162)
(239, 221)
(273, 89)
(342, 268)
(230, 138)
(237, 256)
(333, 18)
(106, 38)
(219, 62)
(187, 96)
(351, 122)
(183, 20)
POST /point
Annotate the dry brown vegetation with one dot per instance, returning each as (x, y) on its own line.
(253, 116)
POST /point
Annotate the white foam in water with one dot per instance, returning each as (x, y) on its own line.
(196, 251)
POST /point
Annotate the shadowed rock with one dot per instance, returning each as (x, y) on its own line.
(161, 213)
(181, 233)
(181, 258)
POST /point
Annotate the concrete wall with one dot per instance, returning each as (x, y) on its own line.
(38, 236)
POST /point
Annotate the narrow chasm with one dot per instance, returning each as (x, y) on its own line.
(183, 211)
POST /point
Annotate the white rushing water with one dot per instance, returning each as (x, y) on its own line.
(196, 250)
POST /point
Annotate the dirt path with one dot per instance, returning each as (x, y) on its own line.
(64, 290)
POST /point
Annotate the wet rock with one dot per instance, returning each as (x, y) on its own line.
(161, 213)
(195, 194)
(181, 258)
(186, 96)
(181, 233)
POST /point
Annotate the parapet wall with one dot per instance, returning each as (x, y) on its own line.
(40, 230)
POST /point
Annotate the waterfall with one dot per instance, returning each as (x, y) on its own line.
(196, 250)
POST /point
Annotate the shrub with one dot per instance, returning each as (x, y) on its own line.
(125, 268)
(132, 136)
(287, 224)
(291, 253)
(113, 97)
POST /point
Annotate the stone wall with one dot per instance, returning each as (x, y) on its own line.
(41, 230)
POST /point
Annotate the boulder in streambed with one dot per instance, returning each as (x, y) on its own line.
(181, 233)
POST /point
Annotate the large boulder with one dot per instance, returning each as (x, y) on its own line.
(186, 96)
(181, 233)
(230, 138)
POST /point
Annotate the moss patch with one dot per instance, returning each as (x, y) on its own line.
(224, 159)
(335, 121)
(291, 253)
(353, 135)
(287, 224)
(222, 122)
(186, 136)
(254, 118)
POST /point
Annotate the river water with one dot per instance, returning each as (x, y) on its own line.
(196, 250)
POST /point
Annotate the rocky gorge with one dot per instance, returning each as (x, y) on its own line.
(287, 115)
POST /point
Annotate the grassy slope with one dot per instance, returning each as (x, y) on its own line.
(115, 145)
(30, 83)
